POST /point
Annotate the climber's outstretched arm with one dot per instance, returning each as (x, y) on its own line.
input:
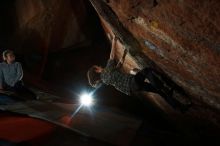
(113, 49)
(121, 61)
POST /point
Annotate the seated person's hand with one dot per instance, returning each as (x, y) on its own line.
(1, 89)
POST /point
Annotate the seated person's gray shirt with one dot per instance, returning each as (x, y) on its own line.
(10, 74)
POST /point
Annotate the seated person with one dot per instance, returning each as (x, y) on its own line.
(11, 75)
(144, 80)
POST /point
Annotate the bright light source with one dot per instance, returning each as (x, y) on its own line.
(86, 99)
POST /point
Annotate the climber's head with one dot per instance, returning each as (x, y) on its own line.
(94, 75)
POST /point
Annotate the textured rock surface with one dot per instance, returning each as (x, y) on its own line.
(181, 37)
(56, 23)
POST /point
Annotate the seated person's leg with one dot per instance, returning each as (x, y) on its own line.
(21, 89)
(18, 87)
(7, 88)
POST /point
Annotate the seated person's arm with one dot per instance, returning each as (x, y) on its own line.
(1, 80)
(19, 73)
(1, 87)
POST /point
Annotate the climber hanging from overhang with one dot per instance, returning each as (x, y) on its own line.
(144, 80)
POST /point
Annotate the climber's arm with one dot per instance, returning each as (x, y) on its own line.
(113, 49)
(121, 61)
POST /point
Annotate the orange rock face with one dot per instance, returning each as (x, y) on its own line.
(55, 24)
(181, 37)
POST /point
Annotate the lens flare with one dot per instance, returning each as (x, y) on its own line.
(86, 99)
